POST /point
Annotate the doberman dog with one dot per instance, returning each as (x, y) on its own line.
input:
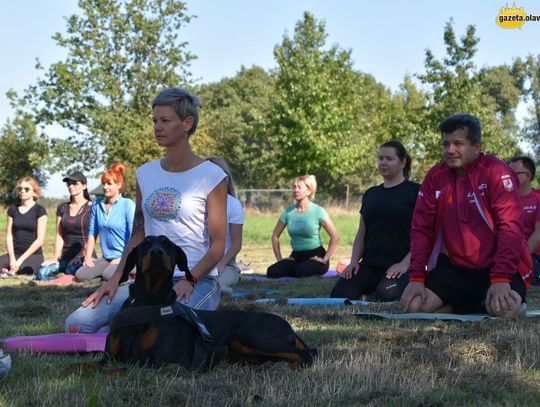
(152, 328)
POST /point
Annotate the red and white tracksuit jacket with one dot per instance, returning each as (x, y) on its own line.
(477, 221)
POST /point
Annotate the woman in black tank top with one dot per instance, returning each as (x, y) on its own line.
(25, 232)
(72, 222)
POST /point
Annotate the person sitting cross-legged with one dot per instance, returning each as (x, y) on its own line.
(303, 220)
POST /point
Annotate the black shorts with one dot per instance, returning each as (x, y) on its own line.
(465, 289)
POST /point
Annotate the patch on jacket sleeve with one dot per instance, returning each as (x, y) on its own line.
(507, 183)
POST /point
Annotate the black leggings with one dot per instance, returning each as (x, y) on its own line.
(29, 266)
(371, 280)
(301, 266)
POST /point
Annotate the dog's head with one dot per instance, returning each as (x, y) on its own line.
(155, 258)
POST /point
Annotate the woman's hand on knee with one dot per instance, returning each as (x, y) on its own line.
(397, 270)
(88, 262)
(350, 270)
(319, 259)
(109, 289)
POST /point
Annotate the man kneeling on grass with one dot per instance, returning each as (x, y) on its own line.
(467, 229)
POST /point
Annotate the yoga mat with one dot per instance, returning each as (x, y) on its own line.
(424, 316)
(315, 301)
(65, 280)
(435, 316)
(243, 293)
(57, 343)
(329, 273)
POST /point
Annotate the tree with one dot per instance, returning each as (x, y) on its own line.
(235, 114)
(531, 128)
(120, 53)
(23, 152)
(503, 86)
(455, 85)
(316, 117)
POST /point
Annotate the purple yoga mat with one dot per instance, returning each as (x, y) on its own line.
(57, 343)
(329, 273)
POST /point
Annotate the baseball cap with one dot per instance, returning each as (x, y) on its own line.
(75, 176)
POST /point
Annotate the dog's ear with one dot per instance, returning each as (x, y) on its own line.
(181, 262)
(130, 263)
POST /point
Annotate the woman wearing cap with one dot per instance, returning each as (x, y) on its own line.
(25, 234)
(72, 222)
(112, 220)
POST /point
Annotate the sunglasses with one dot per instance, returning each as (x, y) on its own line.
(25, 189)
(72, 182)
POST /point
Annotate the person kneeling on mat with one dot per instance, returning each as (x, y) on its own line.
(467, 230)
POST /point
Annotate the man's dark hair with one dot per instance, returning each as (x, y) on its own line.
(402, 155)
(527, 163)
(463, 121)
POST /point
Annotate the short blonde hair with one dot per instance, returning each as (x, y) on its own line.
(310, 181)
(33, 183)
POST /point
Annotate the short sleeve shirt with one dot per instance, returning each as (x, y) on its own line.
(25, 227)
(304, 227)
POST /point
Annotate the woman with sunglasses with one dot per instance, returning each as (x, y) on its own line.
(72, 222)
(25, 234)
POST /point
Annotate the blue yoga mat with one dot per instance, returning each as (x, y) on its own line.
(315, 301)
(435, 316)
(243, 293)
(423, 316)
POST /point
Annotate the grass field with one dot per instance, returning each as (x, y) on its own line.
(361, 362)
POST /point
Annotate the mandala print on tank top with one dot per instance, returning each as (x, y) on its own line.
(164, 204)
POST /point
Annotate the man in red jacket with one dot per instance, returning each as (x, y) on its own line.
(468, 251)
(525, 170)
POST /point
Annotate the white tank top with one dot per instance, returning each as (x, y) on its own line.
(174, 205)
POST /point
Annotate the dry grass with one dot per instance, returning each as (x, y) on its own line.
(361, 362)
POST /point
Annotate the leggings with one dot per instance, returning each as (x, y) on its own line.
(102, 268)
(302, 266)
(371, 280)
(29, 266)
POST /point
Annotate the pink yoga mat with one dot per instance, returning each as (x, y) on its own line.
(57, 343)
(65, 280)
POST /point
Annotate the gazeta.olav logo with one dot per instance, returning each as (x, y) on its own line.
(514, 17)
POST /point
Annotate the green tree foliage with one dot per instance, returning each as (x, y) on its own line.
(234, 116)
(406, 119)
(23, 152)
(531, 128)
(316, 120)
(503, 86)
(120, 53)
(455, 85)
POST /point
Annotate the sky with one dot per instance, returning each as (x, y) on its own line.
(388, 38)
